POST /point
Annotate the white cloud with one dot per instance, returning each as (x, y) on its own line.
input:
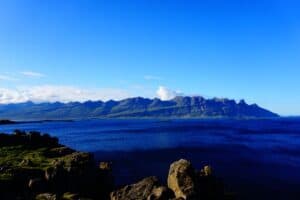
(166, 94)
(52, 93)
(62, 93)
(10, 96)
(7, 78)
(150, 77)
(32, 74)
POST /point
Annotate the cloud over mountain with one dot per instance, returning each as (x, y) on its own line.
(65, 93)
(53, 93)
(166, 94)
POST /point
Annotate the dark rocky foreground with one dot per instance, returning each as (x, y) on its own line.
(36, 166)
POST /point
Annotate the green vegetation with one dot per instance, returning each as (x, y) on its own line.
(20, 157)
(36, 166)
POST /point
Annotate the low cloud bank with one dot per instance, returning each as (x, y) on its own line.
(60, 93)
(49, 93)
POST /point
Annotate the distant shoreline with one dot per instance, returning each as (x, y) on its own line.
(8, 122)
(5, 121)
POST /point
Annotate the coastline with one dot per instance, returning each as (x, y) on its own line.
(252, 163)
(36, 166)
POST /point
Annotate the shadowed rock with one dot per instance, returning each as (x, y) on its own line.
(46, 196)
(59, 151)
(140, 190)
(161, 193)
(105, 166)
(187, 183)
(37, 185)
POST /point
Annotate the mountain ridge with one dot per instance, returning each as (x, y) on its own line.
(136, 107)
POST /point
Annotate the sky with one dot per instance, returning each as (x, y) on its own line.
(77, 50)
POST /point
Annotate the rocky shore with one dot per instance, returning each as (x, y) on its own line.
(36, 166)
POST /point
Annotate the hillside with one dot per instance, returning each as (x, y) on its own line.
(179, 107)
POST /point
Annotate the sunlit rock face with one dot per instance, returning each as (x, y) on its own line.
(181, 179)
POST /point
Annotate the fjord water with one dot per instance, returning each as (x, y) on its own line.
(257, 159)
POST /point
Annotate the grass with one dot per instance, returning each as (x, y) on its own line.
(22, 157)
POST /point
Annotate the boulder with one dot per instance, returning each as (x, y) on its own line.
(46, 196)
(70, 196)
(105, 166)
(78, 162)
(140, 190)
(36, 185)
(56, 178)
(182, 179)
(161, 193)
(26, 163)
(206, 171)
(105, 178)
(55, 172)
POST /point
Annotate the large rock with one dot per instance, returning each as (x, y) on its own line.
(182, 179)
(79, 162)
(57, 172)
(206, 171)
(36, 185)
(105, 178)
(210, 187)
(46, 196)
(105, 166)
(161, 193)
(140, 190)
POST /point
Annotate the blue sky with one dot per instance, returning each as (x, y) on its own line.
(83, 49)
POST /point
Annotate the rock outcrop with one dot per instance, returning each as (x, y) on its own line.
(34, 163)
(140, 190)
(184, 183)
(182, 179)
(46, 196)
(36, 166)
(161, 193)
(188, 183)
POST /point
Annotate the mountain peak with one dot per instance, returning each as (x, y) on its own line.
(180, 106)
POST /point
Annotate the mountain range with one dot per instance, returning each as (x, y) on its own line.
(137, 107)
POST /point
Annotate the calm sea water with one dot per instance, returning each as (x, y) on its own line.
(257, 159)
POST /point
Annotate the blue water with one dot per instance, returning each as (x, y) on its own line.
(256, 158)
